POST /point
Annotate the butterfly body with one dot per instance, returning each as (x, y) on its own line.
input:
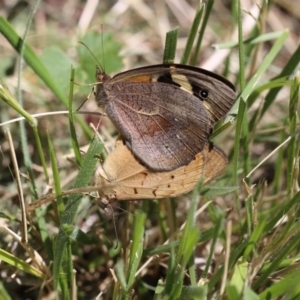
(165, 113)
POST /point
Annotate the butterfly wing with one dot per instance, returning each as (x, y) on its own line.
(161, 115)
(214, 91)
(164, 128)
(122, 177)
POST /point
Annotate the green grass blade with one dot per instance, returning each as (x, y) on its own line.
(254, 238)
(242, 81)
(265, 37)
(213, 191)
(286, 71)
(119, 267)
(237, 282)
(19, 264)
(249, 213)
(136, 249)
(8, 98)
(64, 289)
(236, 253)
(71, 206)
(219, 222)
(276, 262)
(254, 80)
(187, 243)
(278, 166)
(170, 46)
(56, 179)
(31, 58)
(236, 149)
(188, 246)
(162, 221)
(207, 9)
(292, 147)
(37, 66)
(281, 208)
(75, 144)
(192, 35)
(270, 85)
(281, 287)
(41, 152)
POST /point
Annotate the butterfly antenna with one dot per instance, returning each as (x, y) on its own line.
(105, 205)
(82, 43)
(102, 46)
(115, 227)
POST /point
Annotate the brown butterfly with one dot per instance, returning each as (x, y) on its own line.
(123, 177)
(165, 113)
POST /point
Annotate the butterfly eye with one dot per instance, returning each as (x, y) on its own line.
(203, 93)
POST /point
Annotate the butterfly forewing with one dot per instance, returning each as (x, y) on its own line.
(163, 129)
(220, 94)
(165, 113)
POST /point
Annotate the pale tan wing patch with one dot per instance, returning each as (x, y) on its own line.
(123, 177)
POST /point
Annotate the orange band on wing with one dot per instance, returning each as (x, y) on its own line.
(141, 78)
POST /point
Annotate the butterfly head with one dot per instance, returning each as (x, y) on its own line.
(100, 93)
(101, 76)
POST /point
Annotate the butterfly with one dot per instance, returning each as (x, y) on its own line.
(165, 113)
(123, 177)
